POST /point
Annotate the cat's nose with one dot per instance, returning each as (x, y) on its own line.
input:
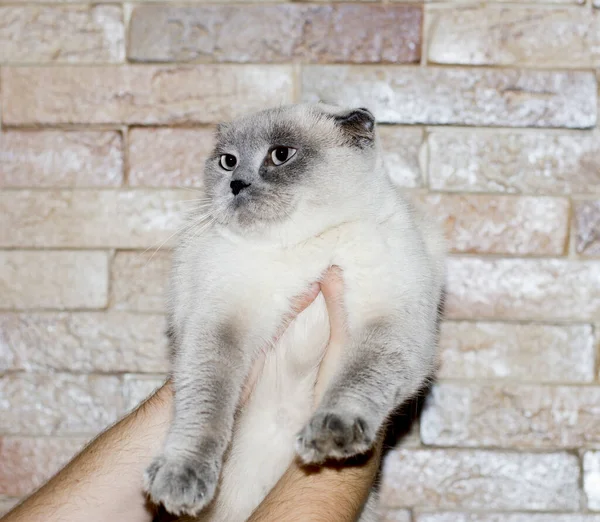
(237, 185)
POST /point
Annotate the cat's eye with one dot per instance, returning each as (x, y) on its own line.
(279, 155)
(228, 161)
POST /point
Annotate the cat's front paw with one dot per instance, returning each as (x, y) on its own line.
(183, 487)
(333, 435)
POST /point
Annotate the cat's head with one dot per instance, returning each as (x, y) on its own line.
(301, 165)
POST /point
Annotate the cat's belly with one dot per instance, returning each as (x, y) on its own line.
(280, 405)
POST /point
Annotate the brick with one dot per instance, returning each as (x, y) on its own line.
(91, 218)
(140, 94)
(591, 479)
(440, 95)
(587, 223)
(168, 157)
(62, 34)
(137, 388)
(49, 279)
(58, 404)
(534, 289)
(477, 479)
(28, 462)
(523, 36)
(506, 517)
(512, 416)
(395, 515)
(60, 159)
(401, 154)
(501, 224)
(83, 342)
(358, 33)
(515, 162)
(139, 281)
(524, 352)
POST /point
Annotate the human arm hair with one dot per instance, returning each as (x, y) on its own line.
(104, 481)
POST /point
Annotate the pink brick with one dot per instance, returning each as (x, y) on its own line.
(53, 279)
(359, 33)
(534, 289)
(91, 218)
(28, 462)
(528, 162)
(140, 94)
(501, 224)
(63, 34)
(524, 352)
(139, 281)
(459, 96)
(481, 480)
(514, 35)
(83, 342)
(58, 404)
(168, 157)
(60, 159)
(510, 415)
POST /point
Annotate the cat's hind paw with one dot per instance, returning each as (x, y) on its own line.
(183, 488)
(332, 435)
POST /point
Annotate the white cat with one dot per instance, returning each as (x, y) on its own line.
(291, 191)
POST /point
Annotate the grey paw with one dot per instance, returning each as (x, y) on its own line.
(333, 436)
(182, 487)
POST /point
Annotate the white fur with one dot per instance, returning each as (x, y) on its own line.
(390, 257)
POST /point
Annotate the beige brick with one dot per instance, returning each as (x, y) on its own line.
(591, 479)
(137, 388)
(526, 162)
(83, 342)
(524, 352)
(276, 33)
(63, 34)
(91, 218)
(395, 515)
(587, 222)
(60, 159)
(168, 157)
(522, 36)
(535, 289)
(27, 462)
(140, 94)
(501, 224)
(139, 281)
(506, 517)
(440, 95)
(58, 404)
(512, 416)
(401, 154)
(481, 480)
(49, 279)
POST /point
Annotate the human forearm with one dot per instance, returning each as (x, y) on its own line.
(329, 494)
(104, 482)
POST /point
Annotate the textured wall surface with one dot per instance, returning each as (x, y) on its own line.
(488, 117)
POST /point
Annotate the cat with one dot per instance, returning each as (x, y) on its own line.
(290, 192)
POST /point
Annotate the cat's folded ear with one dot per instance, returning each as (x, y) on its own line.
(358, 125)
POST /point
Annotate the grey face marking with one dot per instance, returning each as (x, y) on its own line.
(257, 190)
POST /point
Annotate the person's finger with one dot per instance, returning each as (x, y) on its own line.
(298, 305)
(332, 288)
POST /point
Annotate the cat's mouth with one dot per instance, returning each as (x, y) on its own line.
(255, 205)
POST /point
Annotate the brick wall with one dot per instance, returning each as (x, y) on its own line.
(488, 116)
